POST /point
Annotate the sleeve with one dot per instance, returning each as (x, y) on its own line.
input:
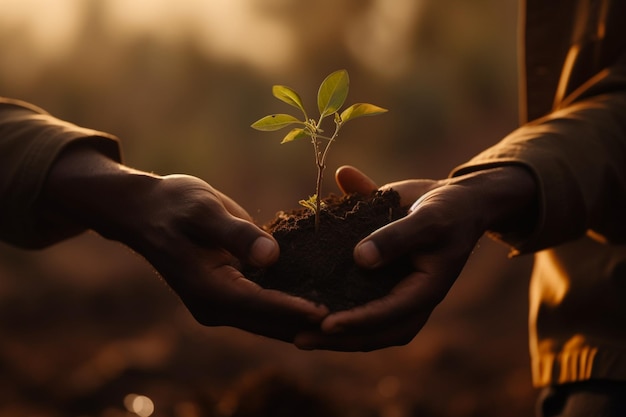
(578, 157)
(30, 141)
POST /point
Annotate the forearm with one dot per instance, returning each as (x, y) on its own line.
(578, 156)
(30, 142)
(88, 190)
(505, 199)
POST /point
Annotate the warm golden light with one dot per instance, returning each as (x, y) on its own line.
(265, 35)
(51, 26)
(234, 31)
(381, 38)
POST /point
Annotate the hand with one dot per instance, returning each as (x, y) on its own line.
(446, 219)
(191, 233)
(201, 236)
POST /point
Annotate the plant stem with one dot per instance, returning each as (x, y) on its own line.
(330, 141)
(320, 161)
(320, 172)
(318, 191)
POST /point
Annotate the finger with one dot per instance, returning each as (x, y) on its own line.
(411, 190)
(388, 243)
(229, 299)
(389, 321)
(414, 295)
(276, 314)
(232, 207)
(351, 180)
(248, 242)
(263, 250)
(398, 335)
(243, 239)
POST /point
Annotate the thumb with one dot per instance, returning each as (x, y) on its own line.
(264, 251)
(248, 242)
(243, 239)
(351, 180)
(388, 243)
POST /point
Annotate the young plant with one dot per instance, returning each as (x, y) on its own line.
(331, 96)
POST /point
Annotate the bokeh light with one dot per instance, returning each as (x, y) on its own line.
(140, 405)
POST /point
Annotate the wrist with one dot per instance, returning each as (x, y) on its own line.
(506, 196)
(91, 191)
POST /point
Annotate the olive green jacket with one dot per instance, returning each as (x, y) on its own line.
(30, 141)
(574, 141)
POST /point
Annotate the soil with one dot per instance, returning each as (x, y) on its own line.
(319, 266)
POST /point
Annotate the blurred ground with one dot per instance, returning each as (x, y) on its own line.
(86, 323)
(78, 340)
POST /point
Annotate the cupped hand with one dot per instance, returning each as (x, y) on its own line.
(438, 234)
(192, 234)
(195, 238)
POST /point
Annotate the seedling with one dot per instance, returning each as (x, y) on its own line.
(331, 96)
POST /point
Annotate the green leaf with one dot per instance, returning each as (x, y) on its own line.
(359, 110)
(311, 203)
(294, 134)
(333, 92)
(289, 96)
(274, 122)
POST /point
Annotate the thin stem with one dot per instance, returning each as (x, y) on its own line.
(330, 141)
(324, 137)
(319, 122)
(320, 160)
(318, 198)
(318, 184)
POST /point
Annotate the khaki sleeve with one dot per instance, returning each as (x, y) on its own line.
(30, 141)
(578, 157)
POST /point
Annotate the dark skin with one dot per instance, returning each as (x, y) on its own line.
(445, 222)
(187, 230)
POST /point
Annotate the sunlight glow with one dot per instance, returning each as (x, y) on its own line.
(255, 33)
(233, 31)
(52, 26)
(382, 38)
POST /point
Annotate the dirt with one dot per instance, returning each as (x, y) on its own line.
(318, 265)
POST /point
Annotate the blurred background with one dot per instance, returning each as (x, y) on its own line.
(88, 329)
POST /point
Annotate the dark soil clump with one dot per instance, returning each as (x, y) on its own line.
(319, 266)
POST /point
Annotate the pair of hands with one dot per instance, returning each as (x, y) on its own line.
(191, 233)
(211, 229)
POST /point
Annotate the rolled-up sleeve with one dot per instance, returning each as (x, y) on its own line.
(30, 141)
(578, 157)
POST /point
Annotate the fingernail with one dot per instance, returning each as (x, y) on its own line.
(367, 254)
(263, 251)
